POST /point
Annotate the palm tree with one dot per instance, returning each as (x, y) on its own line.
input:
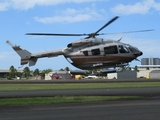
(26, 72)
(61, 69)
(43, 72)
(66, 69)
(36, 72)
(12, 72)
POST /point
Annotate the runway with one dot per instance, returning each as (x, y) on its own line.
(147, 108)
(147, 92)
(151, 91)
(65, 81)
(110, 110)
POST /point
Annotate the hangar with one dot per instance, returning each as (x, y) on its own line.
(125, 74)
(3, 72)
(145, 70)
(155, 74)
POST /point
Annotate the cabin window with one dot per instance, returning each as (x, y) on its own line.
(95, 52)
(123, 49)
(85, 53)
(110, 50)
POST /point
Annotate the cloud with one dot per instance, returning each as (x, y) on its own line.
(138, 8)
(28, 4)
(4, 6)
(73, 15)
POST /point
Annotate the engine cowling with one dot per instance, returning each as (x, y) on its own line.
(91, 41)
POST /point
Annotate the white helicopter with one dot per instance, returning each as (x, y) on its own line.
(88, 53)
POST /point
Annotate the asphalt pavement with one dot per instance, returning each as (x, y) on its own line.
(146, 109)
(147, 92)
(141, 109)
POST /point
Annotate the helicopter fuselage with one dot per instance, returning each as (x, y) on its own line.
(100, 53)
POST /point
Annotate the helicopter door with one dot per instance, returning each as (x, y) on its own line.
(110, 50)
(95, 52)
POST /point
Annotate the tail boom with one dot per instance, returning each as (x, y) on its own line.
(27, 57)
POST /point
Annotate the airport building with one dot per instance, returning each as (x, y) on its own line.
(149, 68)
(155, 74)
(150, 61)
(125, 74)
(5, 71)
(58, 75)
(147, 71)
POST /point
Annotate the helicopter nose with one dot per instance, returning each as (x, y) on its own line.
(138, 53)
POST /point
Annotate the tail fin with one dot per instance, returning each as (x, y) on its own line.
(24, 54)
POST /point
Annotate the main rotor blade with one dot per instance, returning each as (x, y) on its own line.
(90, 35)
(109, 22)
(55, 34)
(127, 32)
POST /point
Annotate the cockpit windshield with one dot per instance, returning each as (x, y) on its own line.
(123, 49)
(133, 49)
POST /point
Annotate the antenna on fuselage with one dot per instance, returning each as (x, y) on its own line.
(119, 39)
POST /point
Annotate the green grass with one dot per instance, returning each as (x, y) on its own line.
(15, 87)
(61, 99)
(69, 99)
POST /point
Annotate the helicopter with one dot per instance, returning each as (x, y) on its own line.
(88, 53)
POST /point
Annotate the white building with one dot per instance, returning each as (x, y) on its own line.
(112, 75)
(144, 70)
(58, 75)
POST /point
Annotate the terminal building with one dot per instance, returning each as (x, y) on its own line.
(150, 61)
(3, 72)
(148, 71)
(149, 68)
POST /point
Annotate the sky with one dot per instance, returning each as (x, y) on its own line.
(19, 17)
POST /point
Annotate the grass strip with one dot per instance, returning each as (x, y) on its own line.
(61, 99)
(15, 87)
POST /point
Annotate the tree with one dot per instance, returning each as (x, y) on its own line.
(36, 72)
(66, 69)
(7, 76)
(43, 72)
(12, 72)
(61, 69)
(26, 72)
(19, 74)
(47, 71)
(136, 68)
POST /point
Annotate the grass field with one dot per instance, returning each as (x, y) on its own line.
(70, 99)
(13, 87)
